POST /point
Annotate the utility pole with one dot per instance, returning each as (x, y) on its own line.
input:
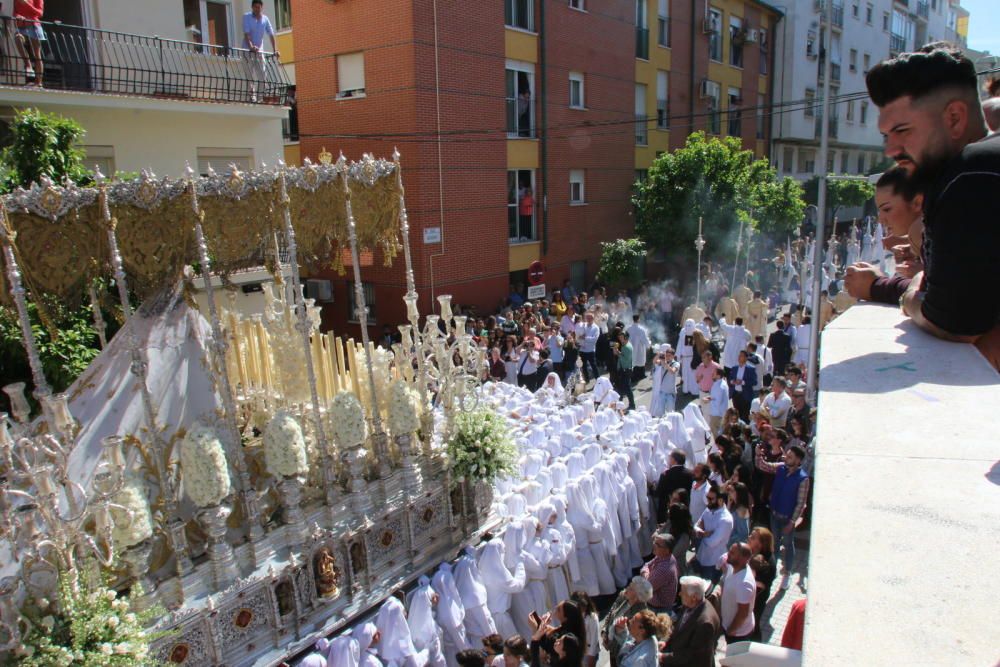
(824, 150)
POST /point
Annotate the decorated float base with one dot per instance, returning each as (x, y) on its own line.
(301, 590)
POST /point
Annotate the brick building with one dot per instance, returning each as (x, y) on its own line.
(464, 94)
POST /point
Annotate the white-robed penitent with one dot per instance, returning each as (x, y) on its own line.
(534, 597)
(556, 583)
(595, 571)
(368, 649)
(700, 432)
(395, 645)
(737, 338)
(567, 535)
(603, 393)
(424, 630)
(343, 651)
(685, 352)
(500, 584)
(450, 614)
(478, 621)
(321, 655)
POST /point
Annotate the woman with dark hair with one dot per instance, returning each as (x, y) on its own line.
(717, 469)
(761, 543)
(740, 506)
(565, 651)
(592, 624)
(515, 653)
(511, 357)
(732, 454)
(681, 527)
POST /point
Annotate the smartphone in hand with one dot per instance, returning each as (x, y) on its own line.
(536, 620)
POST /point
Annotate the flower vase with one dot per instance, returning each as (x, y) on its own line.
(412, 477)
(137, 563)
(220, 552)
(296, 531)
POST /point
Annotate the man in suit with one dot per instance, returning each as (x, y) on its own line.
(781, 348)
(677, 476)
(692, 643)
(742, 381)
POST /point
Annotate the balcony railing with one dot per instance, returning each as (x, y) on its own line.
(897, 43)
(642, 43)
(519, 117)
(837, 11)
(834, 71)
(834, 121)
(103, 61)
(923, 9)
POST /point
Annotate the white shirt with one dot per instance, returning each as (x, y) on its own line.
(720, 524)
(738, 588)
(588, 337)
(720, 398)
(698, 499)
(777, 408)
(640, 344)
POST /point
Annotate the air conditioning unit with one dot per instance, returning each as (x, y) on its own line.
(705, 90)
(320, 290)
(752, 36)
(710, 25)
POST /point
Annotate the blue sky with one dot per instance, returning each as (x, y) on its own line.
(984, 25)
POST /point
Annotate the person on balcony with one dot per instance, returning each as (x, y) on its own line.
(29, 38)
(255, 26)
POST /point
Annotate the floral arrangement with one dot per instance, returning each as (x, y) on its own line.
(404, 409)
(285, 446)
(203, 461)
(93, 628)
(348, 419)
(130, 532)
(480, 448)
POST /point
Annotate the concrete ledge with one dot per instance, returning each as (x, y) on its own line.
(906, 508)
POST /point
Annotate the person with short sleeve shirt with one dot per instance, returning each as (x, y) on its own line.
(255, 26)
(738, 591)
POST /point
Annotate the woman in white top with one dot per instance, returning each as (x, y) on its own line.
(595, 571)
(511, 360)
(423, 629)
(395, 645)
(500, 583)
(593, 626)
(478, 622)
(367, 636)
(344, 651)
(450, 615)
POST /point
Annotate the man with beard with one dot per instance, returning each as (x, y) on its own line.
(932, 120)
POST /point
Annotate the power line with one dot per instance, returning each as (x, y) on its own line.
(475, 135)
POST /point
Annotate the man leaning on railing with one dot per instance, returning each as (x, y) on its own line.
(255, 26)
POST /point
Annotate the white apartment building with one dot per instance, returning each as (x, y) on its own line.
(156, 85)
(864, 33)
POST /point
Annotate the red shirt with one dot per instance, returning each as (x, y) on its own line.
(29, 9)
(792, 636)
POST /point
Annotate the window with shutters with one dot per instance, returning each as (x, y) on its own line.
(351, 75)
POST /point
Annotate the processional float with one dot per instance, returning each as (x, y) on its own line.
(263, 481)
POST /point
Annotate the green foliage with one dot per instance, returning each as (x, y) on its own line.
(92, 628)
(481, 448)
(718, 181)
(839, 192)
(620, 261)
(65, 350)
(44, 144)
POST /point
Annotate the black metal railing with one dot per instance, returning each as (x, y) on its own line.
(103, 61)
(897, 43)
(923, 9)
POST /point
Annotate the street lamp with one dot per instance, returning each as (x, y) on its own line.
(699, 245)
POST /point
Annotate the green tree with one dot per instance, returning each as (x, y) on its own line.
(43, 144)
(620, 261)
(716, 180)
(840, 193)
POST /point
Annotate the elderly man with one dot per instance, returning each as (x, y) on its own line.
(634, 598)
(662, 573)
(692, 643)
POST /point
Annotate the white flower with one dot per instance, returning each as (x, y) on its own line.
(285, 446)
(110, 594)
(113, 622)
(204, 466)
(404, 409)
(130, 618)
(123, 648)
(105, 648)
(127, 533)
(348, 419)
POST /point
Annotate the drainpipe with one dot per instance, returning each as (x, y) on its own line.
(694, 74)
(543, 134)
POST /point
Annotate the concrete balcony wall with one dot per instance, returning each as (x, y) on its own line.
(906, 509)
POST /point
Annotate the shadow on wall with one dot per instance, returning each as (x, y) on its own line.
(884, 372)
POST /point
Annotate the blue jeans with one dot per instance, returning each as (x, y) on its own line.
(590, 361)
(778, 523)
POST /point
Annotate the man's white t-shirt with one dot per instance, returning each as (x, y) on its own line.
(738, 588)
